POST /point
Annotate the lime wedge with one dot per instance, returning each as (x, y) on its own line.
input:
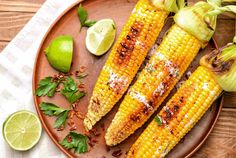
(100, 36)
(22, 130)
(60, 53)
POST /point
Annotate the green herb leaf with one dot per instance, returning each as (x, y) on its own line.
(70, 90)
(81, 76)
(47, 87)
(70, 85)
(113, 26)
(61, 120)
(76, 96)
(75, 141)
(89, 23)
(158, 119)
(51, 109)
(82, 144)
(82, 15)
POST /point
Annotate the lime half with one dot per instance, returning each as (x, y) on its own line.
(22, 130)
(100, 36)
(60, 53)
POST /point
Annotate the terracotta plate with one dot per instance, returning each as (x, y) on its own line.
(68, 24)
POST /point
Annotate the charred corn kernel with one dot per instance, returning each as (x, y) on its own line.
(179, 115)
(154, 83)
(128, 53)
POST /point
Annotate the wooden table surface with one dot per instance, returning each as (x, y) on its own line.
(14, 14)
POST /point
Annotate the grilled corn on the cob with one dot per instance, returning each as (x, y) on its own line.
(128, 53)
(217, 72)
(164, 69)
(179, 115)
(154, 83)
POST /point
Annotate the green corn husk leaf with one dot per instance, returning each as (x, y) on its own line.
(200, 19)
(169, 5)
(215, 3)
(222, 64)
(231, 1)
(192, 20)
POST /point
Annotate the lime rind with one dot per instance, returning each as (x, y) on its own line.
(20, 143)
(60, 53)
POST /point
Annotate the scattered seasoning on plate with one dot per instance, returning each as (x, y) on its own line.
(94, 132)
(108, 148)
(64, 81)
(79, 115)
(61, 128)
(182, 140)
(82, 69)
(117, 153)
(102, 126)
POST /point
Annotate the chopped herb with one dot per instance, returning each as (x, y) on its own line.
(89, 23)
(82, 13)
(82, 75)
(47, 87)
(150, 68)
(75, 141)
(61, 120)
(71, 91)
(53, 110)
(158, 119)
(114, 27)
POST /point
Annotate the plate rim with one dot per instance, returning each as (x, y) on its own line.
(210, 130)
(36, 104)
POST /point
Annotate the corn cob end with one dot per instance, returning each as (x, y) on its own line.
(88, 124)
(113, 138)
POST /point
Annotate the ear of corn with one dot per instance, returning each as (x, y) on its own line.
(135, 40)
(154, 83)
(179, 115)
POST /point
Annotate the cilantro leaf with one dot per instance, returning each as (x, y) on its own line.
(158, 119)
(82, 15)
(53, 110)
(61, 120)
(70, 90)
(82, 75)
(47, 87)
(89, 23)
(75, 141)
(82, 144)
(50, 109)
(72, 97)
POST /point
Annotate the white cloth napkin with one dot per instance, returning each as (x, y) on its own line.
(16, 67)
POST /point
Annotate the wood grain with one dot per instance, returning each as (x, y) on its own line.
(3, 45)
(222, 141)
(14, 14)
(225, 30)
(19, 6)
(11, 23)
(230, 100)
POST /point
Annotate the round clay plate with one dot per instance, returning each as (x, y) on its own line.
(68, 24)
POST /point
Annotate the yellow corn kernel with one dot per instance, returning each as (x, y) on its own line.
(179, 115)
(128, 53)
(154, 83)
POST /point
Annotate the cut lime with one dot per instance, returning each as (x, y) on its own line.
(60, 53)
(100, 36)
(22, 130)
